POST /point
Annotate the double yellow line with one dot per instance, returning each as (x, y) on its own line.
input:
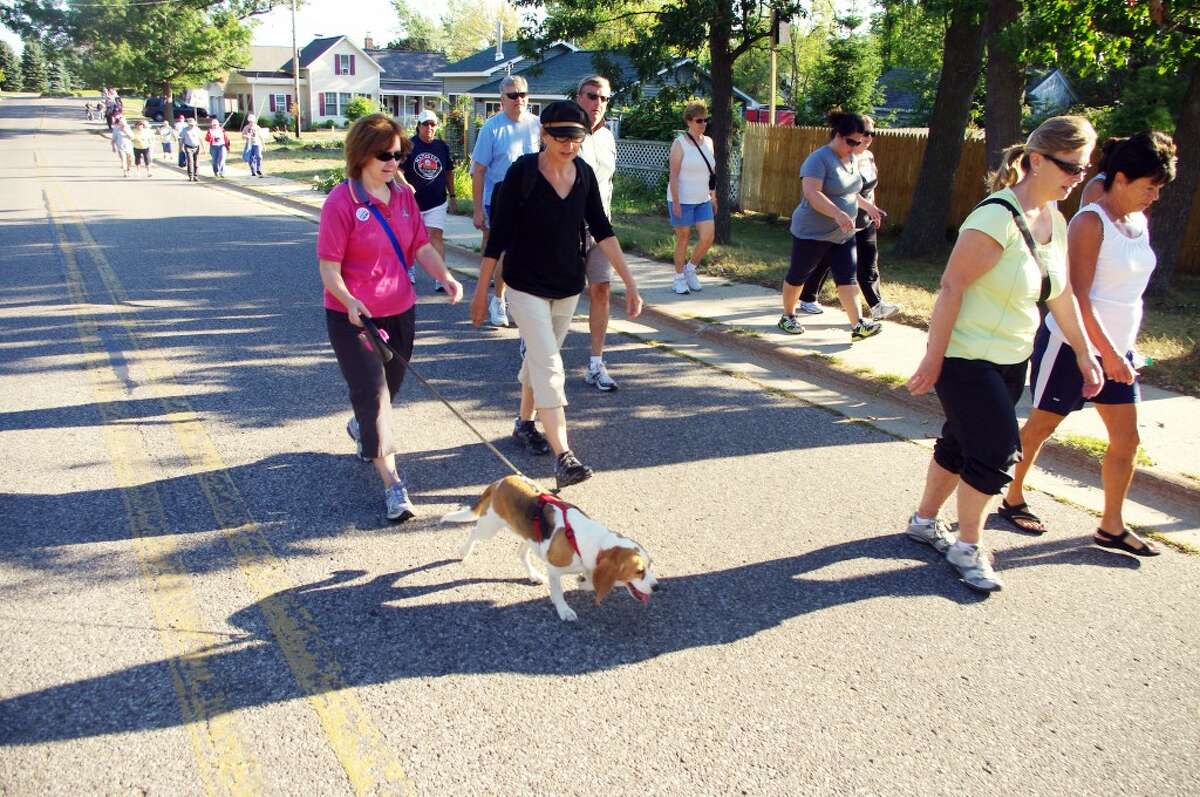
(225, 766)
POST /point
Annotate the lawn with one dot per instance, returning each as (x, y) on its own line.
(762, 245)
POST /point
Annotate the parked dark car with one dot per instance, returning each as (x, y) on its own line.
(153, 109)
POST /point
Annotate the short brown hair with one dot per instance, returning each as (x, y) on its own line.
(693, 110)
(369, 135)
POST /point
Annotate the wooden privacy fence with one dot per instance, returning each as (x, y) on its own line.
(770, 179)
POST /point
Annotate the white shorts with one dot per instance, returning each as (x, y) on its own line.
(435, 217)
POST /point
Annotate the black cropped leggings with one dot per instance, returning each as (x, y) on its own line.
(866, 243)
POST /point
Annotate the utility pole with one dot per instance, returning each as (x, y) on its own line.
(296, 72)
(774, 70)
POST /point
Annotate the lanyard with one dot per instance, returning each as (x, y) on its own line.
(390, 233)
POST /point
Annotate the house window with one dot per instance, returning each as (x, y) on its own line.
(330, 106)
(490, 109)
(343, 64)
(279, 102)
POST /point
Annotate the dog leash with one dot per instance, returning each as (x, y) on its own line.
(387, 354)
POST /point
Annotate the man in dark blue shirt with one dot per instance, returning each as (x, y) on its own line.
(430, 171)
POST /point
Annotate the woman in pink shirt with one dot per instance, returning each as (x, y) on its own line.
(364, 275)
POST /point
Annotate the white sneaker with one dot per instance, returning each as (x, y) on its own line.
(935, 533)
(884, 310)
(597, 375)
(693, 279)
(399, 507)
(680, 285)
(974, 566)
(812, 308)
(498, 312)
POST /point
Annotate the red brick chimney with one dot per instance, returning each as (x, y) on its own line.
(368, 42)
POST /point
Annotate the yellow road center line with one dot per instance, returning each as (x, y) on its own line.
(364, 754)
(225, 767)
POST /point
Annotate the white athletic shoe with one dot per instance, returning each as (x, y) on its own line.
(974, 566)
(597, 375)
(812, 308)
(936, 533)
(399, 507)
(693, 279)
(884, 310)
(680, 285)
(498, 312)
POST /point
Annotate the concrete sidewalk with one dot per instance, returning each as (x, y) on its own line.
(744, 316)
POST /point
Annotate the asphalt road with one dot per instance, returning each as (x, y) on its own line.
(199, 593)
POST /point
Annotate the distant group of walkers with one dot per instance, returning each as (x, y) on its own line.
(543, 187)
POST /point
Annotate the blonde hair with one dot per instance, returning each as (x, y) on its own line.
(693, 110)
(1057, 134)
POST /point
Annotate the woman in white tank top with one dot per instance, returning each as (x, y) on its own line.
(1111, 262)
(691, 202)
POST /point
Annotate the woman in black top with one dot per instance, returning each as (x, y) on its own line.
(545, 207)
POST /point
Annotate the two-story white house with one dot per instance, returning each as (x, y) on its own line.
(333, 70)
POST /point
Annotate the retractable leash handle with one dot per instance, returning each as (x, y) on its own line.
(377, 340)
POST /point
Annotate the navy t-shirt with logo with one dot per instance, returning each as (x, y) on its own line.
(426, 170)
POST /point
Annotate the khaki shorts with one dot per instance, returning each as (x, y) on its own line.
(598, 267)
(543, 324)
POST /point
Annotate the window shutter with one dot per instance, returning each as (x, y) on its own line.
(250, 101)
(321, 104)
(352, 63)
(288, 100)
(272, 96)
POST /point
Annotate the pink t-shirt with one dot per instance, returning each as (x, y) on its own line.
(351, 235)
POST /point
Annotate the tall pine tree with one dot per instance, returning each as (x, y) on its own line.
(11, 66)
(34, 75)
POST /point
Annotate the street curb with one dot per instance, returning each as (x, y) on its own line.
(1159, 483)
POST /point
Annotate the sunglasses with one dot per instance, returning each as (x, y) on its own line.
(854, 142)
(516, 95)
(564, 137)
(397, 156)
(592, 95)
(1073, 169)
(701, 119)
(428, 124)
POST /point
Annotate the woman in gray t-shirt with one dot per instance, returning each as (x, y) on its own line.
(823, 223)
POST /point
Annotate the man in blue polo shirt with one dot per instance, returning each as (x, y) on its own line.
(503, 138)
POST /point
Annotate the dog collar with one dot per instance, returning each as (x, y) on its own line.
(542, 500)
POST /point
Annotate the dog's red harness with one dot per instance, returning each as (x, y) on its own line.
(544, 499)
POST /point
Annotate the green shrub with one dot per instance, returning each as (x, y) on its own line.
(324, 146)
(281, 121)
(359, 107)
(283, 138)
(236, 121)
(329, 180)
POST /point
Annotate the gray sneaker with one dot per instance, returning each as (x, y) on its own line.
(692, 279)
(812, 308)
(935, 533)
(356, 435)
(399, 508)
(884, 310)
(974, 566)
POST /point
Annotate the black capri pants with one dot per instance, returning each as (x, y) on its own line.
(866, 245)
(372, 384)
(807, 255)
(980, 440)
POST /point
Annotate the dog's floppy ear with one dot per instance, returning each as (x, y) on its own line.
(605, 574)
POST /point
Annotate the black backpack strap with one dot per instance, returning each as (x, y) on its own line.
(1030, 243)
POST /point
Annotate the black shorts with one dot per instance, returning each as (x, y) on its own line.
(141, 156)
(1056, 384)
(981, 440)
(808, 253)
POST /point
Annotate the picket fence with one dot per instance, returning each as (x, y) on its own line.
(770, 177)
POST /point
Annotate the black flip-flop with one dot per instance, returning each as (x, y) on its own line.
(1020, 512)
(1120, 542)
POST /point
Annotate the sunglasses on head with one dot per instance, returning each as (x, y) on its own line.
(397, 156)
(1073, 169)
(516, 95)
(593, 95)
(701, 119)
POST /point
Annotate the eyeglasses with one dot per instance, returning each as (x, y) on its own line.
(1073, 169)
(854, 142)
(516, 95)
(869, 133)
(593, 95)
(429, 123)
(564, 137)
(397, 156)
(701, 119)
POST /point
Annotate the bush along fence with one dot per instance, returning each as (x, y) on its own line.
(770, 177)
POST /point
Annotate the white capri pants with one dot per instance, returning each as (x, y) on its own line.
(543, 324)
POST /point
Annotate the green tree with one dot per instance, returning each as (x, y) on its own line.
(34, 72)
(470, 25)
(723, 30)
(158, 47)
(11, 66)
(847, 77)
(60, 76)
(360, 107)
(418, 33)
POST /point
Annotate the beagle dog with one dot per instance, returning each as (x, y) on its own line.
(563, 537)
